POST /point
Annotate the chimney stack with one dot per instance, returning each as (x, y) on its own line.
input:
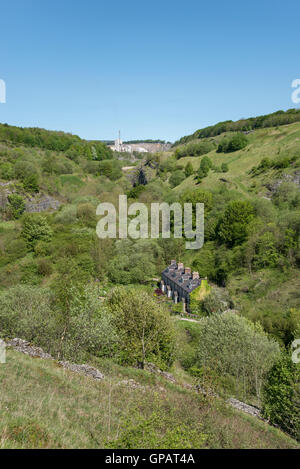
(195, 275)
(173, 262)
(187, 270)
(180, 266)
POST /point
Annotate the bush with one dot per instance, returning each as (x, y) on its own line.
(233, 225)
(197, 196)
(24, 169)
(7, 171)
(69, 329)
(44, 267)
(237, 142)
(145, 329)
(31, 183)
(16, 205)
(188, 170)
(35, 228)
(217, 301)
(287, 196)
(233, 346)
(86, 213)
(110, 169)
(204, 168)
(224, 168)
(176, 178)
(281, 396)
(194, 149)
(67, 215)
(281, 162)
(135, 192)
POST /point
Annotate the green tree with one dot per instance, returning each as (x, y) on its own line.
(195, 196)
(16, 205)
(188, 170)
(233, 346)
(224, 167)
(267, 254)
(31, 183)
(204, 168)
(176, 178)
(110, 169)
(281, 396)
(35, 228)
(145, 328)
(233, 224)
(7, 171)
(237, 142)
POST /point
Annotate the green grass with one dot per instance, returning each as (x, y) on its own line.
(262, 143)
(45, 406)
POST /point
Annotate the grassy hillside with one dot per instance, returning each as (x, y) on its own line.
(45, 406)
(271, 143)
(95, 300)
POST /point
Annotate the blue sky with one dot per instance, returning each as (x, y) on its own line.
(156, 69)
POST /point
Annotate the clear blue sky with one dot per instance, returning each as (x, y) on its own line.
(156, 69)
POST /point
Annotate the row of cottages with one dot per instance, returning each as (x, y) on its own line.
(178, 282)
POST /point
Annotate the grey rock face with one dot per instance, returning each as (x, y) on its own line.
(83, 369)
(42, 204)
(249, 409)
(24, 347)
(293, 178)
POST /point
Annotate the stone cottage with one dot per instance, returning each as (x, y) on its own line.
(178, 282)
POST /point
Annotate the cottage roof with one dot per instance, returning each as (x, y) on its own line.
(180, 278)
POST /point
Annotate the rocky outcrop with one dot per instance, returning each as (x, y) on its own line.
(249, 409)
(42, 203)
(25, 347)
(294, 178)
(36, 352)
(153, 369)
(83, 369)
(38, 203)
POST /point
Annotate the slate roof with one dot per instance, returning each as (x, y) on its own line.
(185, 281)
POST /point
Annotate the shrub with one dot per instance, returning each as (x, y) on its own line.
(24, 169)
(224, 168)
(135, 192)
(233, 346)
(176, 178)
(204, 168)
(281, 396)
(35, 228)
(145, 329)
(281, 162)
(197, 196)
(194, 149)
(67, 215)
(188, 170)
(44, 267)
(30, 183)
(86, 213)
(69, 325)
(110, 169)
(7, 171)
(234, 223)
(287, 195)
(16, 205)
(217, 301)
(237, 142)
